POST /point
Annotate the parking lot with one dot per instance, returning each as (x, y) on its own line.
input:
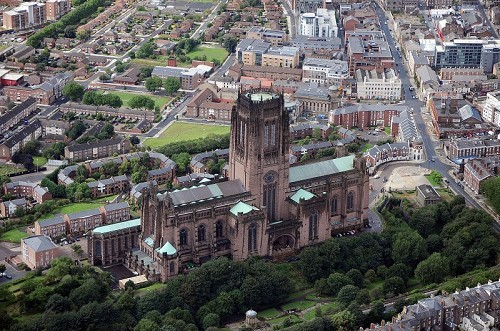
(7, 250)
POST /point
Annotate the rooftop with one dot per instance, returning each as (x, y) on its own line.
(117, 226)
(302, 194)
(320, 169)
(39, 243)
(242, 208)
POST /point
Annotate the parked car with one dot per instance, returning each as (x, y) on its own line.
(8, 276)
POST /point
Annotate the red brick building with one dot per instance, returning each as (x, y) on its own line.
(364, 116)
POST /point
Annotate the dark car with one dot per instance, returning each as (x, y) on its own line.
(8, 276)
(292, 259)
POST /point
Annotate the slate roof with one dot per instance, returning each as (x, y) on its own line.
(115, 206)
(51, 221)
(39, 243)
(319, 169)
(85, 213)
(205, 193)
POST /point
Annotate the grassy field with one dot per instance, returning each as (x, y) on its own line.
(39, 160)
(180, 131)
(7, 169)
(126, 96)
(14, 235)
(298, 305)
(269, 313)
(212, 52)
(280, 320)
(154, 287)
(327, 309)
(433, 181)
(79, 206)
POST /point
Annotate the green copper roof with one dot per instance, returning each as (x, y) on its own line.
(261, 96)
(302, 194)
(167, 248)
(117, 226)
(243, 208)
(149, 241)
(322, 168)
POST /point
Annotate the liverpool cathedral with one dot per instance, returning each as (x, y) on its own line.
(266, 207)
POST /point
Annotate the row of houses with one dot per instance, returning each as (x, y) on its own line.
(76, 224)
(22, 189)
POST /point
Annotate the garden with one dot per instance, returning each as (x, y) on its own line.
(183, 131)
(160, 101)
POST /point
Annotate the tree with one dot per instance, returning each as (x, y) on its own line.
(230, 44)
(32, 147)
(76, 130)
(347, 294)
(145, 51)
(423, 220)
(393, 286)
(363, 297)
(211, 320)
(142, 102)
(153, 84)
(82, 172)
(58, 304)
(73, 91)
(77, 249)
(172, 85)
(409, 248)
(399, 270)
(344, 321)
(337, 281)
(434, 269)
(356, 277)
(134, 140)
(146, 72)
(146, 325)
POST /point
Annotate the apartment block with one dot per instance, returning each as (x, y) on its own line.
(21, 189)
(473, 148)
(17, 114)
(96, 149)
(325, 72)
(9, 208)
(113, 185)
(283, 57)
(53, 227)
(27, 14)
(468, 53)
(477, 171)
(56, 8)
(491, 108)
(373, 84)
(320, 24)
(190, 78)
(368, 54)
(83, 221)
(115, 212)
(13, 144)
(38, 251)
(365, 116)
(275, 37)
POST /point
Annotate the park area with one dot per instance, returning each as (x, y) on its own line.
(181, 131)
(160, 101)
(14, 236)
(7, 169)
(210, 51)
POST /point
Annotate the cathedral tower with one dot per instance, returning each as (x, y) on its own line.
(259, 149)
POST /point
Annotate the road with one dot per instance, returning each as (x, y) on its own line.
(169, 118)
(482, 11)
(416, 105)
(210, 18)
(222, 70)
(292, 18)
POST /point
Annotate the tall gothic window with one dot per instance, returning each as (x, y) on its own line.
(266, 135)
(172, 267)
(313, 224)
(252, 238)
(201, 232)
(269, 194)
(334, 205)
(183, 237)
(219, 231)
(273, 134)
(350, 200)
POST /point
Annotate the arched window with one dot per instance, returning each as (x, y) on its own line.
(269, 196)
(252, 238)
(313, 224)
(334, 205)
(172, 267)
(183, 237)
(201, 232)
(350, 200)
(219, 230)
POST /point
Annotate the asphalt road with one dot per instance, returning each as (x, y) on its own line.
(169, 118)
(416, 105)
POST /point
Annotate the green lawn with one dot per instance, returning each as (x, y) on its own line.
(154, 287)
(39, 160)
(148, 62)
(366, 147)
(433, 181)
(387, 130)
(160, 101)
(269, 313)
(7, 169)
(14, 235)
(211, 51)
(298, 305)
(327, 309)
(180, 131)
(79, 206)
(280, 320)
